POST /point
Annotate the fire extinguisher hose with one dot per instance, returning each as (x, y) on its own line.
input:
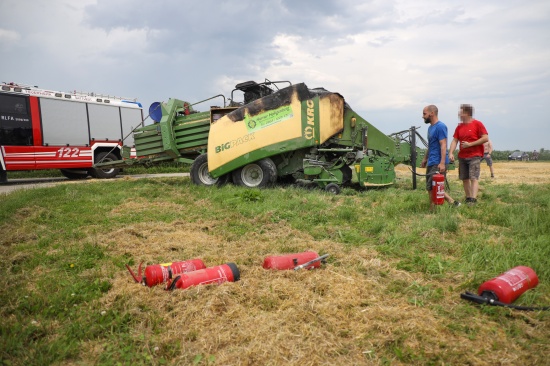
(483, 300)
(447, 186)
(172, 285)
(305, 265)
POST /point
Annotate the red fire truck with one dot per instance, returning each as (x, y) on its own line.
(44, 129)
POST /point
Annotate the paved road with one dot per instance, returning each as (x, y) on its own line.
(15, 184)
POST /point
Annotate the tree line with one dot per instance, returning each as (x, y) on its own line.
(503, 155)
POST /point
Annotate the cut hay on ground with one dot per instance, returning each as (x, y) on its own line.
(506, 172)
(357, 309)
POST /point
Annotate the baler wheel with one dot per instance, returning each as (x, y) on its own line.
(200, 175)
(333, 188)
(259, 174)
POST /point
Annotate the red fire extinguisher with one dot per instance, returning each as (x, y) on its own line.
(510, 285)
(438, 189)
(504, 289)
(219, 274)
(291, 261)
(159, 273)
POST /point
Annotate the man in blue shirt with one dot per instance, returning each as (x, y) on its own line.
(436, 158)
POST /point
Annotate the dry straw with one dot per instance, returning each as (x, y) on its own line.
(357, 309)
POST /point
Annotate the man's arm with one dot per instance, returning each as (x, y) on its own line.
(452, 150)
(425, 159)
(443, 149)
(483, 139)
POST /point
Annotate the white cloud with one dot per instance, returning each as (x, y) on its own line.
(388, 58)
(9, 36)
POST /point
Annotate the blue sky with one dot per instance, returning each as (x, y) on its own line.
(387, 58)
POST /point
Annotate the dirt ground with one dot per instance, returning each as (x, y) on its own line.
(506, 172)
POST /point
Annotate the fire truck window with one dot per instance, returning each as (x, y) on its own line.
(104, 122)
(131, 118)
(15, 121)
(64, 122)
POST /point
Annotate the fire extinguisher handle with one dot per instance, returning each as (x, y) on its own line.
(483, 300)
(172, 285)
(474, 298)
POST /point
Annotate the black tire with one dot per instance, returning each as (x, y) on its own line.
(200, 175)
(332, 188)
(3, 176)
(260, 174)
(104, 157)
(75, 173)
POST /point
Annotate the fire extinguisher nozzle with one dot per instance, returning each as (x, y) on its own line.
(474, 298)
(136, 278)
(490, 295)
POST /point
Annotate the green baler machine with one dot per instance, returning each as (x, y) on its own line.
(176, 136)
(308, 135)
(292, 134)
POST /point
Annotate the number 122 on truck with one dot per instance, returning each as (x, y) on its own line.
(44, 129)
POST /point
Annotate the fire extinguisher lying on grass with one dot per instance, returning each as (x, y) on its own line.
(219, 274)
(506, 288)
(296, 261)
(160, 273)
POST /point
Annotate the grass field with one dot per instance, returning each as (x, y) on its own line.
(389, 293)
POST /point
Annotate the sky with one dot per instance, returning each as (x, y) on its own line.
(388, 58)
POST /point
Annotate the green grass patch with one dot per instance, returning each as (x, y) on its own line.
(59, 269)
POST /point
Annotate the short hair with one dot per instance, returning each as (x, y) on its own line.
(468, 109)
(432, 108)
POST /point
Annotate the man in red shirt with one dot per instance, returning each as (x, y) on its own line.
(472, 135)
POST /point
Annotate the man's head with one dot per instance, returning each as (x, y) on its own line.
(466, 112)
(429, 114)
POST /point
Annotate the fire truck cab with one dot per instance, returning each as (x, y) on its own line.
(70, 131)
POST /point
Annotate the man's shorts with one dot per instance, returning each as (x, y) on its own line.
(488, 159)
(469, 168)
(430, 171)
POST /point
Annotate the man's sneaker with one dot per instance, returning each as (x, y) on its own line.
(492, 176)
(471, 201)
(456, 204)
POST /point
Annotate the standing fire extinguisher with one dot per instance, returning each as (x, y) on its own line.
(506, 288)
(438, 189)
(159, 273)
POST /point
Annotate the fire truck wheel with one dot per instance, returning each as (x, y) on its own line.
(259, 174)
(105, 157)
(74, 173)
(201, 176)
(3, 176)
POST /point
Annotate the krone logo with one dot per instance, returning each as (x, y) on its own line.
(308, 132)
